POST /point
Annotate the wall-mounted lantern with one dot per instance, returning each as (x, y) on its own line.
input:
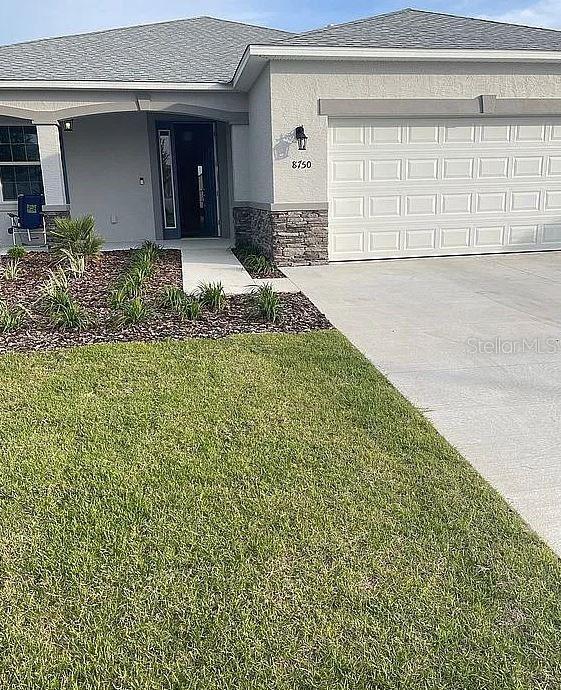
(301, 137)
(67, 125)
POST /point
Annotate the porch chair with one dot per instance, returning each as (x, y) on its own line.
(29, 221)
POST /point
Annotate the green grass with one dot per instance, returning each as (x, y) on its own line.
(257, 512)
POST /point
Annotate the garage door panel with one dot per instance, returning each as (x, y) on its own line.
(429, 187)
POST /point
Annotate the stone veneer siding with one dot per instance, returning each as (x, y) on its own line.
(289, 238)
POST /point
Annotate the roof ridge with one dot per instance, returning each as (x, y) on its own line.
(354, 21)
(139, 26)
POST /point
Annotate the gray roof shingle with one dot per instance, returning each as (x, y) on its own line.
(202, 49)
(411, 28)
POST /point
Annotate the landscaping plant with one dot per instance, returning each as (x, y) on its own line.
(11, 271)
(76, 262)
(268, 302)
(57, 281)
(11, 317)
(66, 313)
(151, 249)
(133, 312)
(172, 297)
(259, 264)
(17, 252)
(77, 235)
(212, 295)
(175, 299)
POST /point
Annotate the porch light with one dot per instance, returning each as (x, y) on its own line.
(301, 138)
(67, 125)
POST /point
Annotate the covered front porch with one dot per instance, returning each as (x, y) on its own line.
(158, 171)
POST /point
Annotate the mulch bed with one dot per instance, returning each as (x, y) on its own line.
(241, 257)
(91, 290)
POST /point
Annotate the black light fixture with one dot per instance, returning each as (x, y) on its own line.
(67, 125)
(301, 137)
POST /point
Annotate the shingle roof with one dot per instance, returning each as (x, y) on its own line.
(202, 49)
(411, 28)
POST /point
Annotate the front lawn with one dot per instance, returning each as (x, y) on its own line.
(262, 511)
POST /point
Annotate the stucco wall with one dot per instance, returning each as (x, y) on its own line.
(106, 155)
(296, 87)
(260, 142)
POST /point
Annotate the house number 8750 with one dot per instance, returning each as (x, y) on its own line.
(301, 165)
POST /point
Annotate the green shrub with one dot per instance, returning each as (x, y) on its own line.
(17, 252)
(190, 308)
(151, 249)
(77, 235)
(212, 295)
(268, 302)
(259, 264)
(131, 284)
(56, 282)
(133, 312)
(172, 298)
(141, 267)
(11, 272)
(76, 262)
(11, 317)
(67, 314)
(118, 298)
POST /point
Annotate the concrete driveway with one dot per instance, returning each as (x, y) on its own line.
(475, 342)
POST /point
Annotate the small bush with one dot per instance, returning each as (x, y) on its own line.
(67, 314)
(77, 235)
(56, 282)
(172, 298)
(76, 262)
(11, 272)
(133, 312)
(11, 318)
(131, 284)
(268, 302)
(151, 249)
(259, 264)
(142, 268)
(212, 295)
(17, 252)
(118, 298)
(190, 308)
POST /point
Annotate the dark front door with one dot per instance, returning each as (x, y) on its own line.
(196, 180)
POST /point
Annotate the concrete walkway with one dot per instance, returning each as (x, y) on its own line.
(475, 342)
(211, 260)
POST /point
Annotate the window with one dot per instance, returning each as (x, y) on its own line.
(166, 175)
(20, 167)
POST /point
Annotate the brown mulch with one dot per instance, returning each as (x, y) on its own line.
(91, 290)
(241, 256)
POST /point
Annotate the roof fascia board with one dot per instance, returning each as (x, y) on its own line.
(256, 55)
(114, 85)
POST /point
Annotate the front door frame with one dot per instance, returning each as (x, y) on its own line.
(170, 125)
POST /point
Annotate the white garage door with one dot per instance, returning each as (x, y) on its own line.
(437, 187)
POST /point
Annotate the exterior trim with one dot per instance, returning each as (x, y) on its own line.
(114, 85)
(255, 56)
(303, 206)
(418, 107)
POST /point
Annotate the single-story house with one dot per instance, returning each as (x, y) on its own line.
(404, 134)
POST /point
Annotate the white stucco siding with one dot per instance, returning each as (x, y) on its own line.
(296, 87)
(106, 155)
(260, 140)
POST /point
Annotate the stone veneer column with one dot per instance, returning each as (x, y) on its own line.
(289, 238)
